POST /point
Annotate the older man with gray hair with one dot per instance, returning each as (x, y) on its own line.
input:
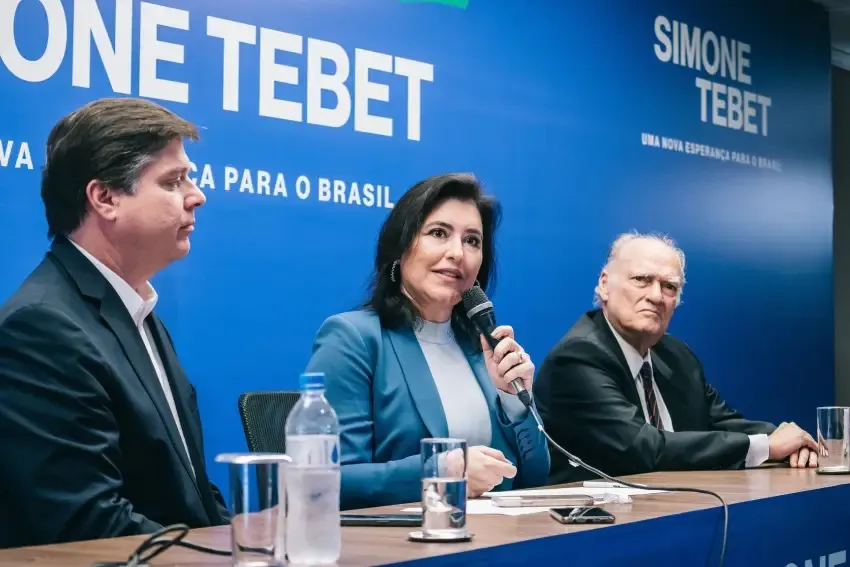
(628, 398)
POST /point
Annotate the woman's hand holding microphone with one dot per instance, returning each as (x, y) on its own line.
(508, 361)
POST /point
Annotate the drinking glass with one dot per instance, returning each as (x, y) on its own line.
(444, 463)
(833, 440)
(257, 506)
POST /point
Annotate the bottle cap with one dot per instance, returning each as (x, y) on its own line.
(312, 380)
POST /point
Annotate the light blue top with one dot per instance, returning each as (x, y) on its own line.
(467, 413)
(387, 399)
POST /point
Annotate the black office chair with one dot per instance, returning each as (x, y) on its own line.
(263, 421)
(264, 418)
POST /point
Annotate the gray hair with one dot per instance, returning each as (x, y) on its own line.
(625, 238)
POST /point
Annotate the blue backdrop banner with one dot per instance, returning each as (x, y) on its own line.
(709, 123)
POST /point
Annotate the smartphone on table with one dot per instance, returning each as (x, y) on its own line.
(582, 515)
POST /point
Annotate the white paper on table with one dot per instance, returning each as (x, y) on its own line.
(483, 506)
(572, 491)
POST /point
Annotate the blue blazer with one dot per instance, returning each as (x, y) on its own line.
(379, 383)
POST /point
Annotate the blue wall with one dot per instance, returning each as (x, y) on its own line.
(545, 101)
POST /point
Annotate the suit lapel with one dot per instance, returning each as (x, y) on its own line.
(479, 368)
(627, 381)
(93, 285)
(420, 382)
(118, 319)
(179, 382)
(179, 385)
(491, 394)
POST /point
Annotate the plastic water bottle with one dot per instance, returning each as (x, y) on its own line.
(313, 533)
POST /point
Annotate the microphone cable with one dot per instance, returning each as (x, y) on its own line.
(575, 461)
(157, 543)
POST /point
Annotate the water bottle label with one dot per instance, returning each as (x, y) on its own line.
(313, 450)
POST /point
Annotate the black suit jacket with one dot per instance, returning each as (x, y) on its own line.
(589, 404)
(88, 445)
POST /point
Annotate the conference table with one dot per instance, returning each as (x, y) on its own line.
(778, 516)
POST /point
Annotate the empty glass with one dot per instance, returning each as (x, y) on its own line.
(257, 506)
(444, 489)
(833, 440)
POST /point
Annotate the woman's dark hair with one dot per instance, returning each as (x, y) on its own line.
(401, 228)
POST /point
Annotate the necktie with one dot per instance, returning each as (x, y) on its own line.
(649, 395)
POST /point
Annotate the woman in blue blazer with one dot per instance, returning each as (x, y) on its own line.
(411, 365)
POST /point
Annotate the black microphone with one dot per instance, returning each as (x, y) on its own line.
(479, 309)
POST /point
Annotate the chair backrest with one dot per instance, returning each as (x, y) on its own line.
(264, 419)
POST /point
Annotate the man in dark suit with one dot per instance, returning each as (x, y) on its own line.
(627, 398)
(100, 430)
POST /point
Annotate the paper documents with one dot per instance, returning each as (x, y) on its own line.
(573, 490)
(483, 505)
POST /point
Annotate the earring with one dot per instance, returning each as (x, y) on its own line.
(393, 271)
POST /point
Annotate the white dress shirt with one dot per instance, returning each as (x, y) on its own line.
(759, 449)
(139, 308)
